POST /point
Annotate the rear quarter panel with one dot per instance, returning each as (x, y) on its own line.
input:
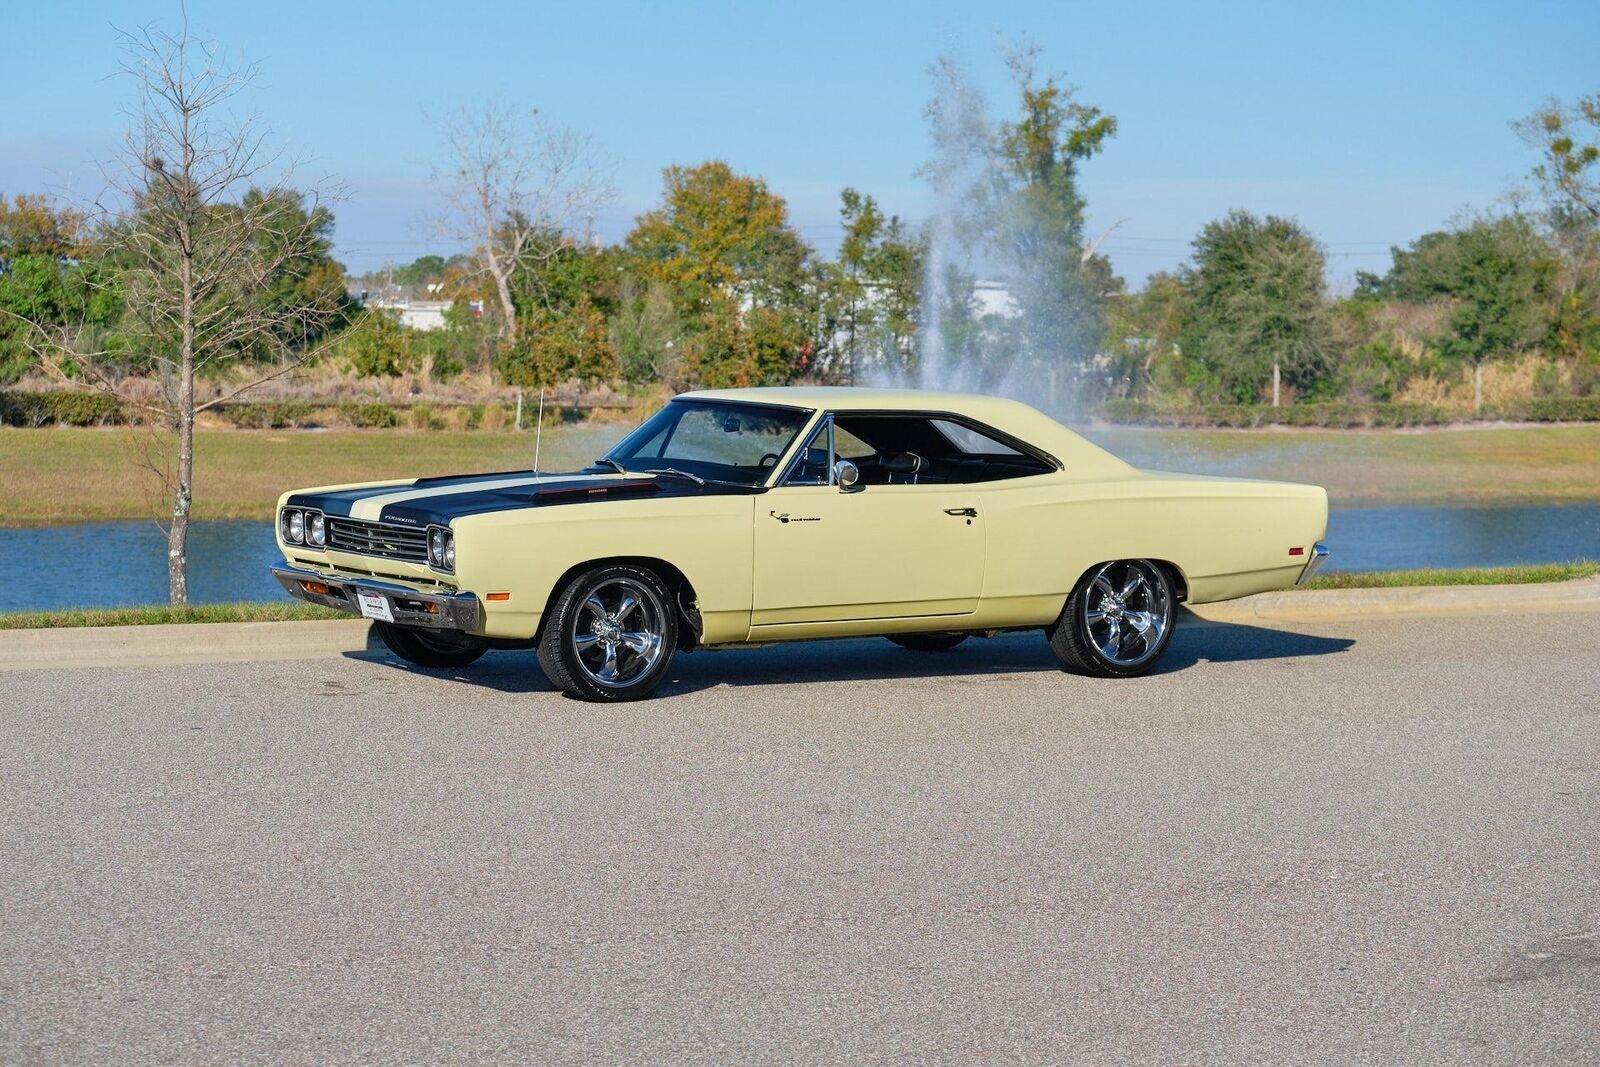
(1227, 537)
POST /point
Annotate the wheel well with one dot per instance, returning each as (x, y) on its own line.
(1180, 584)
(683, 593)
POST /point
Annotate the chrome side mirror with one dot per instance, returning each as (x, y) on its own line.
(846, 475)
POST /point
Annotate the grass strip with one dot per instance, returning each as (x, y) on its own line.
(160, 614)
(1541, 572)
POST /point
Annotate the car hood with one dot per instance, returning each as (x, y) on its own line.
(439, 500)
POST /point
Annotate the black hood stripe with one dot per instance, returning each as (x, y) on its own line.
(546, 491)
(339, 502)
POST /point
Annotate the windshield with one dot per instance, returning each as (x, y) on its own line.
(729, 442)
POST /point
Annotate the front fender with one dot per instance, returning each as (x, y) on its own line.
(524, 553)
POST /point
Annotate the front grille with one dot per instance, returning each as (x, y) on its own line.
(377, 539)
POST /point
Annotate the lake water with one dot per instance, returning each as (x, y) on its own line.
(109, 564)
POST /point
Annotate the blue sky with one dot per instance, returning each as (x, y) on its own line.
(1371, 123)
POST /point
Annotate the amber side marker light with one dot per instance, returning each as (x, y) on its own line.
(1297, 551)
(315, 588)
(497, 596)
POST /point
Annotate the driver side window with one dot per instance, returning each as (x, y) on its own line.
(815, 464)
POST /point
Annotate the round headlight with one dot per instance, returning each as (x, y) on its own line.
(294, 527)
(317, 532)
(436, 546)
(450, 553)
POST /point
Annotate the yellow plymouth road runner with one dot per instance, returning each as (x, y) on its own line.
(745, 516)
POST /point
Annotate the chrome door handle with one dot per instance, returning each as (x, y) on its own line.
(970, 513)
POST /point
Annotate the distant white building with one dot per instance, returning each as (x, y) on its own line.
(995, 299)
(417, 314)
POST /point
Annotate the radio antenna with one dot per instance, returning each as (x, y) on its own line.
(538, 432)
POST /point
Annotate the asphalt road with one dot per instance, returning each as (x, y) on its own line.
(1360, 841)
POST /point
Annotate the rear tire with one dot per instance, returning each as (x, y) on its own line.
(928, 642)
(425, 649)
(1117, 622)
(610, 635)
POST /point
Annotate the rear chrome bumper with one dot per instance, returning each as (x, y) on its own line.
(1319, 556)
(410, 607)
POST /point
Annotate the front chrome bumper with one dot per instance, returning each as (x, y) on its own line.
(410, 607)
(1319, 556)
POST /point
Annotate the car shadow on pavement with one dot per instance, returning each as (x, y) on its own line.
(1196, 642)
(875, 659)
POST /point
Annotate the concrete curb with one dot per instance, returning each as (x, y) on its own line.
(134, 646)
(1311, 605)
(211, 642)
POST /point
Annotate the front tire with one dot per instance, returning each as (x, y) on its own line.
(1117, 622)
(425, 649)
(928, 642)
(610, 635)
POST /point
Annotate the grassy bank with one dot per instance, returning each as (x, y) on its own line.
(295, 611)
(61, 475)
(1510, 465)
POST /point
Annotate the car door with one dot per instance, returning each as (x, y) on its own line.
(825, 554)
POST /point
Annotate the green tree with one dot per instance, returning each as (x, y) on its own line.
(306, 294)
(646, 331)
(851, 276)
(722, 245)
(1567, 176)
(51, 274)
(1497, 276)
(1033, 212)
(1256, 288)
(377, 346)
(897, 279)
(1566, 185)
(550, 348)
(1143, 332)
(873, 291)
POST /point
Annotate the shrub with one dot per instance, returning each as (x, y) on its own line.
(18, 408)
(1331, 415)
(1586, 379)
(444, 365)
(370, 414)
(83, 409)
(1553, 409)
(423, 418)
(270, 414)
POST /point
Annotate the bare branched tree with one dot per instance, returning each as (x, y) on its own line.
(201, 220)
(516, 187)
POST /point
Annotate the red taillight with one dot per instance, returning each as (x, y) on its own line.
(1297, 551)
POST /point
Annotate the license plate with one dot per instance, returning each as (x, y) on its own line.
(375, 606)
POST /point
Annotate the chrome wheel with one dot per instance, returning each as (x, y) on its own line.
(619, 632)
(1127, 611)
